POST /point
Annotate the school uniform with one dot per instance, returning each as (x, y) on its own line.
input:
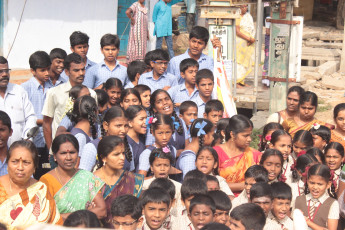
(59, 81)
(241, 199)
(273, 223)
(179, 94)
(182, 220)
(82, 138)
(137, 149)
(336, 177)
(201, 106)
(166, 79)
(147, 183)
(129, 85)
(297, 189)
(168, 224)
(223, 185)
(286, 170)
(186, 162)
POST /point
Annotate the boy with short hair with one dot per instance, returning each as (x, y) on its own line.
(134, 70)
(278, 216)
(247, 217)
(223, 206)
(214, 110)
(261, 194)
(57, 57)
(212, 183)
(204, 83)
(158, 78)
(5, 133)
(201, 211)
(254, 174)
(109, 67)
(125, 212)
(188, 113)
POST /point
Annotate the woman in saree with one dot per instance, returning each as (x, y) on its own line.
(245, 39)
(73, 189)
(305, 119)
(235, 155)
(111, 158)
(23, 200)
(338, 134)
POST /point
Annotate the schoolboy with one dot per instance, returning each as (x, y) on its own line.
(109, 67)
(216, 182)
(154, 204)
(214, 110)
(278, 216)
(57, 57)
(195, 174)
(201, 211)
(125, 213)
(223, 206)
(247, 217)
(212, 183)
(37, 87)
(158, 78)
(5, 133)
(134, 71)
(188, 112)
(147, 60)
(261, 194)
(145, 95)
(186, 90)
(215, 226)
(204, 83)
(254, 174)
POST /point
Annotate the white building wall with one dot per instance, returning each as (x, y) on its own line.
(47, 24)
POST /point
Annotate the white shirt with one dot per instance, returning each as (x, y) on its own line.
(241, 199)
(297, 189)
(17, 105)
(272, 223)
(147, 183)
(223, 185)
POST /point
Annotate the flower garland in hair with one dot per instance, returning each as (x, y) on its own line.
(68, 107)
(150, 121)
(316, 126)
(268, 139)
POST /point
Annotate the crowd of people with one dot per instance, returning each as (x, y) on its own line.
(146, 147)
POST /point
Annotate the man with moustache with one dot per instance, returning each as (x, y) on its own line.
(15, 102)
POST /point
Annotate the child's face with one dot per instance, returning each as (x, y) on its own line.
(264, 202)
(340, 120)
(155, 214)
(319, 142)
(196, 46)
(186, 202)
(273, 166)
(81, 49)
(163, 104)
(280, 208)
(236, 224)
(116, 159)
(333, 159)
(117, 126)
(57, 66)
(114, 94)
(190, 114)
(317, 186)
(298, 147)
(205, 162)
(205, 87)
(145, 98)
(159, 66)
(5, 133)
(214, 116)
(138, 124)
(162, 135)
(283, 145)
(160, 167)
(208, 139)
(248, 183)
(110, 53)
(212, 185)
(200, 216)
(125, 222)
(221, 216)
(42, 74)
(189, 74)
(129, 100)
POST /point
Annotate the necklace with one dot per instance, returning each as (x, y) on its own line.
(58, 175)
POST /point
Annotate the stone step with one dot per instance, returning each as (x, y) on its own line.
(320, 54)
(326, 45)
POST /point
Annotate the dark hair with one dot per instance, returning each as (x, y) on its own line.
(134, 68)
(148, 58)
(126, 205)
(298, 89)
(29, 145)
(203, 74)
(102, 97)
(337, 109)
(162, 119)
(39, 59)
(75, 91)
(3, 60)
(78, 38)
(154, 195)
(106, 146)
(324, 172)
(260, 189)
(133, 110)
(277, 134)
(64, 138)
(142, 88)
(159, 153)
(85, 108)
(166, 185)
(57, 53)
(268, 127)
(281, 190)
(215, 226)
(271, 152)
(323, 131)
(72, 58)
(214, 105)
(301, 164)
(5, 119)
(251, 215)
(129, 91)
(110, 40)
(194, 131)
(192, 187)
(159, 54)
(195, 174)
(237, 124)
(82, 217)
(199, 32)
(258, 172)
(336, 146)
(202, 199)
(111, 83)
(186, 105)
(211, 178)
(308, 96)
(316, 152)
(186, 63)
(3, 226)
(304, 137)
(221, 126)
(221, 200)
(213, 153)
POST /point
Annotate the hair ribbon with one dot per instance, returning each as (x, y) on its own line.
(166, 149)
(200, 126)
(176, 124)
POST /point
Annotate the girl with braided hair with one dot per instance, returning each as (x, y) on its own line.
(201, 132)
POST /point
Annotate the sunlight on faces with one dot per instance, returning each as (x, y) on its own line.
(340, 121)
(138, 124)
(116, 158)
(333, 159)
(189, 74)
(273, 166)
(307, 111)
(114, 94)
(242, 140)
(318, 186)
(163, 104)
(284, 145)
(280, 208)
(200, 216)
(76, 73)
(292, 101)
(205, 162)
(196, 46)
(81, 49)
(110, 53)
(145, 98)
(41, 74)
(20, 165)
(67, 156)
(117, 127)
(155, 214)
(160, 167)
(264, 202)
(162, 135)
(126, 222)
(129, 100)
(205, 87)
(57, 66)
(190, 114)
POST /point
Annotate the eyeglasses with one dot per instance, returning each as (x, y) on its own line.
(5, 71)
(160, 63)
(118, 224)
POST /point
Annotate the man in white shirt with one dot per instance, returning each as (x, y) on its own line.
(15, 102)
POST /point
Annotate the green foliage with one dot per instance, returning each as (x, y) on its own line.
(256, 138)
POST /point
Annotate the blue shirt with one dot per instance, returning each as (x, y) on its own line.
(37, 96)
(179, 94)
(144, 162)
(129, 85)
(191, 5)
(100, 73)
(186, 162)
(201, 106)
(88, 65)
(166, 79)
(59, 81)
(162, 18)
(205, 62)
(3, 168)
